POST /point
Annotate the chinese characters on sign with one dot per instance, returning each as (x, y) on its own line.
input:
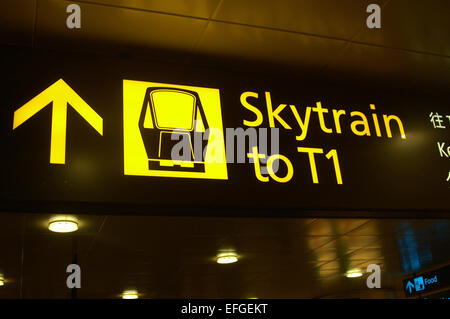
(439, 122)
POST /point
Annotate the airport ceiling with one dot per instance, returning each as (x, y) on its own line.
(174, 257)
(281, 258)
(322, 36)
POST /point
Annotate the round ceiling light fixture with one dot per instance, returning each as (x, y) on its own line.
(354, 273)
(63, 226)
(227, 258)
(130, 294)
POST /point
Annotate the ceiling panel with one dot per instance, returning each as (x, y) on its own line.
(391, 64)
(314, 242)
(373, 228)
(10, 263)
(334, 226)
(366, 254)
(329, 18)
(105, 26)
(356, 242)
(326, 254)
(48, 278)
(192, 8)
(331, 265)
(17, 22)
(412, 44)
(413, 25)
(264, 45)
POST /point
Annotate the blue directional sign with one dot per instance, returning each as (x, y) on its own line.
(427, 282)
(409, 287)
(419, 284)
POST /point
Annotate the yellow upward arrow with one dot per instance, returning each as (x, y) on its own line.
(60, 93)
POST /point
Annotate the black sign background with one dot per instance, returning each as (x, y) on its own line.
(382, 176)
(443, 277)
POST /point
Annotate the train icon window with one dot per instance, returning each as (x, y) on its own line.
(168, 115)
(173, 109)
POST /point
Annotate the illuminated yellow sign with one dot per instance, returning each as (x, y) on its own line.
(158, 116)
(59, 94)
(176, 130)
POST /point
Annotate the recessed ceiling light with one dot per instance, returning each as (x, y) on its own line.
(354, 273)
(227, 258)
(2, 282)
(131, 294)
(63, 226)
